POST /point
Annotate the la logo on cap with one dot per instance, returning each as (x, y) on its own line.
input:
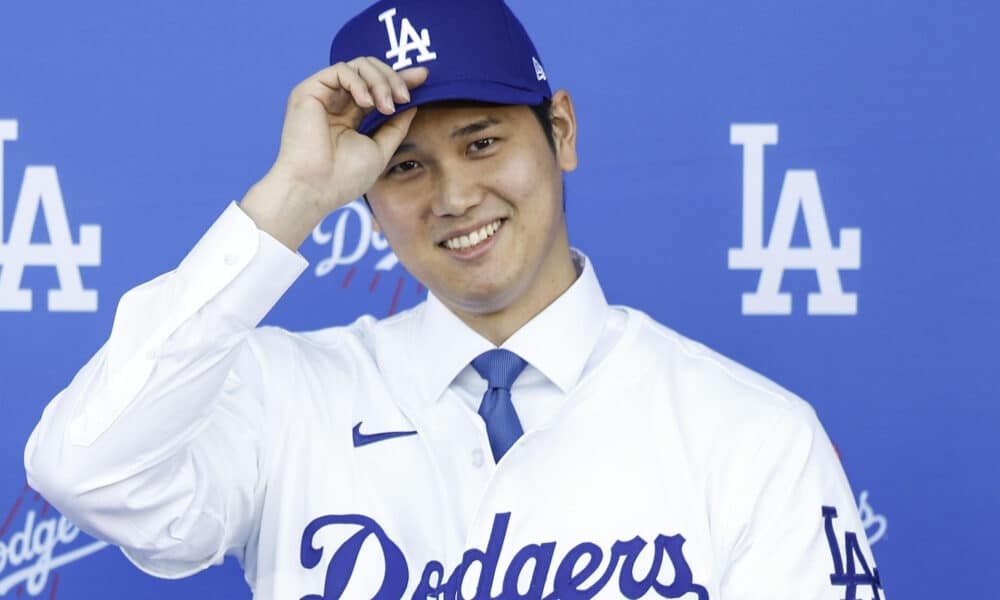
(407, 41)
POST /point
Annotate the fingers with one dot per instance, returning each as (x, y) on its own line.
(349, 90)
(399, 87)
(340, 88)
(414, 76)
(390, 135)
(367, 82)
(383, 86)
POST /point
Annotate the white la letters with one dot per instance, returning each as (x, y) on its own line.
(407, 41)
(40, 189)
(800, 188)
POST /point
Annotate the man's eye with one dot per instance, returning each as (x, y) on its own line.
(406, 165)
(482, 144)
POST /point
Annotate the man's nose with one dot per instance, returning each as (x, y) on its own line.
(455, 195)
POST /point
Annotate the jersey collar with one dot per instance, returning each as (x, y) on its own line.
(557, 341)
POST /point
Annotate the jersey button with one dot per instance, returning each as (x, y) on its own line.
(478, 458)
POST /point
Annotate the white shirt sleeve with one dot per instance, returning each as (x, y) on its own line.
(803, 538)
(155, 445)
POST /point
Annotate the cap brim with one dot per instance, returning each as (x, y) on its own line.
(478, 91)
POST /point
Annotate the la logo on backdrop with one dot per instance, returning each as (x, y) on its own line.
(800, 188)
(40, 190)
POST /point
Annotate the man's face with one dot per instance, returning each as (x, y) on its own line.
(472, 205)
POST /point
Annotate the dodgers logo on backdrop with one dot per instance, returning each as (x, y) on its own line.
(31, 552)
(40, 190)
(407, 41)
(341, 252)
(875, 524)
(799, 189)
(348, 244)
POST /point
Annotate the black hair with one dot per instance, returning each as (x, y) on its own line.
(543, 112)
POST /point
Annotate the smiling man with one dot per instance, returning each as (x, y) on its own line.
(514, 436)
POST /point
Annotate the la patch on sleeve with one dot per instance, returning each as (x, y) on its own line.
(850, 571)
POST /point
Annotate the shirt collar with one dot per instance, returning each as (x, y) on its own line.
(557, 341)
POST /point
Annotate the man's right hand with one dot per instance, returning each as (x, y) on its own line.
(324, 163)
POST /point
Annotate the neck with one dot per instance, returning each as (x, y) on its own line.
(553, 280)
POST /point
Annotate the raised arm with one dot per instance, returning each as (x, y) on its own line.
(155, 444)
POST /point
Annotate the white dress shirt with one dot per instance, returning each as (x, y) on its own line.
(193, 434)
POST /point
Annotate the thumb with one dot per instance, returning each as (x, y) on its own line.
(392, 133)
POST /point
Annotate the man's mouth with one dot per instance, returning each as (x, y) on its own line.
(474, 238)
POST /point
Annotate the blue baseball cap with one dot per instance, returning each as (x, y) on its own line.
(473, 50)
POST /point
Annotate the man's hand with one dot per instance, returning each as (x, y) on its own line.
(324, 163)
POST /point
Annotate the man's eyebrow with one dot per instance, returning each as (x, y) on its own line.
(404, 147)
(462, 131)
(474, 127)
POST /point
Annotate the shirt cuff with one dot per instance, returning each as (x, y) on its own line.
(265, 268)
(236, 273)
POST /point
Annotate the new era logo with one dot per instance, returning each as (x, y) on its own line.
(539, 71)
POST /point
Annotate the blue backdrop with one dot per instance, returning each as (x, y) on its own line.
(874, 123)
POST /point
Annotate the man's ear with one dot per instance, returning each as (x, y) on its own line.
(564, 130)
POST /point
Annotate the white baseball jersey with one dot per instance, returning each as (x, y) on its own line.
(350, 462)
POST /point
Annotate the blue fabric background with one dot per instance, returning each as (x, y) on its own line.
(157, 115)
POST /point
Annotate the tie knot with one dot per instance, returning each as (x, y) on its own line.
(499, 367)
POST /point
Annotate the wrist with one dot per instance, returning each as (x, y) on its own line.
(285, 209)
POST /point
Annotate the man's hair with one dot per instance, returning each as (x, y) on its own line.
(543, 112)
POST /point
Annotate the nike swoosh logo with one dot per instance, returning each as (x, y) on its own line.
(362, 439)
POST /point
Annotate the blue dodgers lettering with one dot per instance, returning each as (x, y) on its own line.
(673, 546)
(540, 556)
(488, 559)
(579, 564)
(341, 567)
(568, 579)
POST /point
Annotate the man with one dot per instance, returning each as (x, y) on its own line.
(512, 437)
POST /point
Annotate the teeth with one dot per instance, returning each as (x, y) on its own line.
(473, 239)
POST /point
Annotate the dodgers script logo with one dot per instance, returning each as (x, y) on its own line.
(407, 41)
(341, 252)
(31, 552)
(573, 570)
(349, 241)
(875, 525)
(40, 189)
(799, 189)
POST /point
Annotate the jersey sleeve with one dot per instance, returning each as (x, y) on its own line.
(155, 445)
(802, 537)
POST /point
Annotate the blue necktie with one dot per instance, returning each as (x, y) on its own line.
(499, 368)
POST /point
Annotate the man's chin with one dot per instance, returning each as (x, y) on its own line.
(479, 301)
